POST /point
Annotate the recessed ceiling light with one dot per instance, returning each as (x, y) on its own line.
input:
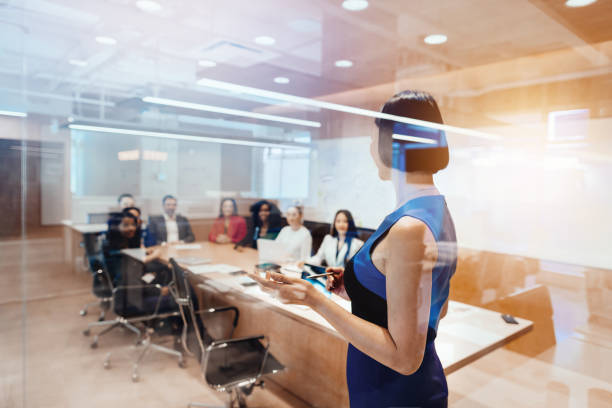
(106, 40)
(281, 80)
(343, 63)
(149, 6)
(435, 39)
(78, 62)
(355, 5)
(207, 63)
(579, 3)
(265, 40)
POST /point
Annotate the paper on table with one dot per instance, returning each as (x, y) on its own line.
(188, 246)
(148, 277)
(222, 268)
(192, 260)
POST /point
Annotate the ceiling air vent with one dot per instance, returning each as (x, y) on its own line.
(232, 53)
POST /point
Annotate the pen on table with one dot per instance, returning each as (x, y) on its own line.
(320, 275)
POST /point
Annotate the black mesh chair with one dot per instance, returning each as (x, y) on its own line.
(102, 287)
(136, 303)
(128, 300)
(234, 366)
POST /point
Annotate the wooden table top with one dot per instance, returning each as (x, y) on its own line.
(464, 335)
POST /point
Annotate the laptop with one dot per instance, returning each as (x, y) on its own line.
(271, 251)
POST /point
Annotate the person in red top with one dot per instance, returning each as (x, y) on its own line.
(229, 227)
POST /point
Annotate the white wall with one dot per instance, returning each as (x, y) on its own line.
(513, 196)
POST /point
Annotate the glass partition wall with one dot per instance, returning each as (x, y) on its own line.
(277, 100)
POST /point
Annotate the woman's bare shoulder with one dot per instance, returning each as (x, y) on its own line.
(408, 228)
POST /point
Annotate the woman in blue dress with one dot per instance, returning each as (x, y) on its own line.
(399, 280)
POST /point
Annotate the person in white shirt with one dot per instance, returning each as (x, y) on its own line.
(295, 237)
(338, 247)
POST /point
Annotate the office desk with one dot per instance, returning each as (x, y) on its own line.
(311, 349)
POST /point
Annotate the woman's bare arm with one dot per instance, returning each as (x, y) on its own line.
(400, 347)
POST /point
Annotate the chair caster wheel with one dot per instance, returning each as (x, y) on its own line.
(86, 332)
(107, 365)
(182, 364)
(100, 319)
(83, 312)
(135, 377)
(94, 345)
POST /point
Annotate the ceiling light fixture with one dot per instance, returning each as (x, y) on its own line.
(281, 80)
(180, 136)
(355, 5)
(264, 40)
(298, 100)
(414, 139)
(434, 39)
(148, 6)
(579, 3)
(228, 111)
(101, 39)
(207, 63)
(13, 113)
(343, 63)
(78, 62)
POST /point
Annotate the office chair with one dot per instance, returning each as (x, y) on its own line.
(137, 303)
(234, 366)
(154, 324)
(101, 286)
(126, 300)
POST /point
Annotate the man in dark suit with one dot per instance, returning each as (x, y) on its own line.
(169, 227)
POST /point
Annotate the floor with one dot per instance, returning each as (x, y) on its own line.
(47, 362)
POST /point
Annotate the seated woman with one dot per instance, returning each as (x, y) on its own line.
(127, 235)
(295, 237)
(229, 227)
(338, 247)
(267, 221)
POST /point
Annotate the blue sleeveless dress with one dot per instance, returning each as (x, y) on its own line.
(370, 383)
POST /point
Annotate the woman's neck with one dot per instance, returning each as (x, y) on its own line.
(409, 186)
(296, 227)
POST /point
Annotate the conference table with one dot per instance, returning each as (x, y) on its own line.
(313, 352)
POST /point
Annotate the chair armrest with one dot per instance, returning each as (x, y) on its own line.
(223, 309)
(106, 275)
(123, 287)
(223, 343)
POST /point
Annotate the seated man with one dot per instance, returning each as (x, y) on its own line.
(126, 200)
(169, 227)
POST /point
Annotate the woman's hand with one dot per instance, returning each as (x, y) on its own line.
(223, 239)
(289, 290)
(153, 253)
(335, 282)
(165, 291)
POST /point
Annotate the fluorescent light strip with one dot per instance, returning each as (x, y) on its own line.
(227, 111)
(228, 86)
(415, 139)
(12, 113)
(179, 136)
